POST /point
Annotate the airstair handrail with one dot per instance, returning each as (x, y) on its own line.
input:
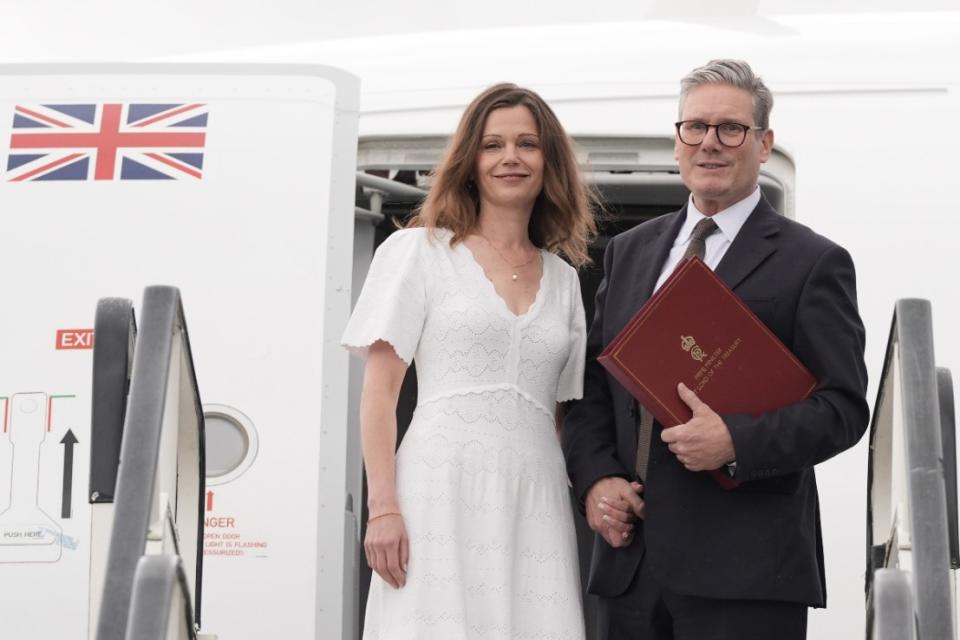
(160, 587)
(115, 332)
(907, 522)
(948, 431)
(892, 610)
(161, 474)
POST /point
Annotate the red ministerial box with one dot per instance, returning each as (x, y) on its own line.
(695, 330)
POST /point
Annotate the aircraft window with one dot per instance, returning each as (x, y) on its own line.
(231, 443)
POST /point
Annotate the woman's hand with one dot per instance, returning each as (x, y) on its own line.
(388, 548)
(386, 543)
(613, 506)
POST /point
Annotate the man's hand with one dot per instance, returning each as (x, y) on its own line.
(613, 505)
(703, 443)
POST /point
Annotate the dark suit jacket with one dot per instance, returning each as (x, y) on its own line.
(761, 540)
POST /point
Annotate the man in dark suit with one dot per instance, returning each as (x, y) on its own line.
(678, 556)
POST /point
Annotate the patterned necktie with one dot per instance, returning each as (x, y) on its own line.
(697, 247)
(698, 239)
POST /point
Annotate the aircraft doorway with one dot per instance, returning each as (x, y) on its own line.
(636, 180)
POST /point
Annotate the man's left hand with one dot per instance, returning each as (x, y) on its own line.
(703, 443)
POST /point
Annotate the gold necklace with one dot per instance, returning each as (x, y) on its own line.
(514, 276)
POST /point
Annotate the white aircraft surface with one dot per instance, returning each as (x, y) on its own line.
(266, 245)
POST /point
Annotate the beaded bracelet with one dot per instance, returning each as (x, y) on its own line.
(383, 515)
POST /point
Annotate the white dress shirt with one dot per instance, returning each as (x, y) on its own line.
(729, 222)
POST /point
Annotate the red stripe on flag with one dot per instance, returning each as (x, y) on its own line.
(56, 163)
(107, 149)
(40, 116)
(91, 140)
(176, 165)
(169, 114)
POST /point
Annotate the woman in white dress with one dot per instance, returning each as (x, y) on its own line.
(470, 533)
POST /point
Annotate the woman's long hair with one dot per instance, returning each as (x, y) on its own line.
(562, 220)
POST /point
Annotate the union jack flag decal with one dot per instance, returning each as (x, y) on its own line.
(110, 141)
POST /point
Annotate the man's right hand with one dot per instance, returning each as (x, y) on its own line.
(613, 505)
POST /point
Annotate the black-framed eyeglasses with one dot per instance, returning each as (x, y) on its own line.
(730, 134)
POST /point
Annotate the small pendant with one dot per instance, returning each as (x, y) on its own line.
(515, 276)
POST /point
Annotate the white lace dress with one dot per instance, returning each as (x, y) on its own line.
(480, 476)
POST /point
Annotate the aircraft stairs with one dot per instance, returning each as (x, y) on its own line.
(912, 543)
(146, 474)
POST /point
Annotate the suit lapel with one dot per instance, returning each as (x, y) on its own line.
(645, 259)
(652, 256)
(753, 244)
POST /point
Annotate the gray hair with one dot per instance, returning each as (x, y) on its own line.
(735, 73)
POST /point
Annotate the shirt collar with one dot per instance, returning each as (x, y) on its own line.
(728, 221)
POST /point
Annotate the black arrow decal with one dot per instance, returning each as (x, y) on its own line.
(68, 441)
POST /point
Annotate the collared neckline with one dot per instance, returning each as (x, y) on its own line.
(729, 220)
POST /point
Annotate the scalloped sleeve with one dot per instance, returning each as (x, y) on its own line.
(570, 384)
(392, 303)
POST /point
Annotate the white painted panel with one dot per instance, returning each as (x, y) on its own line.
(249, 243)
